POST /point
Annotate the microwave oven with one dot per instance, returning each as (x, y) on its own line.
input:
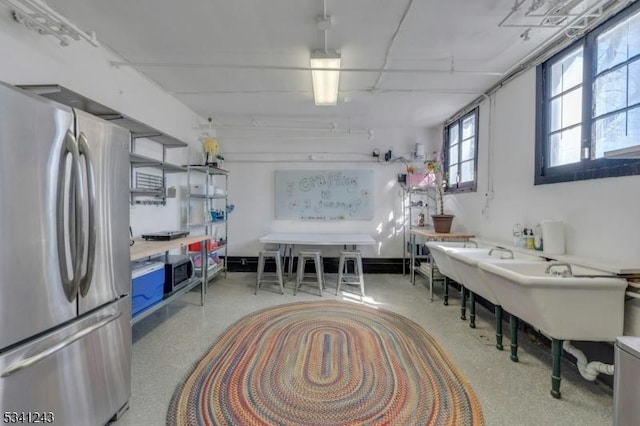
(177, 272)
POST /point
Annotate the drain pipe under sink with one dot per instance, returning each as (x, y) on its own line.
(588, 370)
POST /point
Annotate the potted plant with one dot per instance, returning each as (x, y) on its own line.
(436, 177)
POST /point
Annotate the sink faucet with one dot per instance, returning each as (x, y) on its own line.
(566, 273)
(498, 248)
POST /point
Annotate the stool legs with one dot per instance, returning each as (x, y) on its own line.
(260, 272)
(341, 263)
(300, 275)
(344, 277)
(279, 272)
(361, 275)
(260, 276)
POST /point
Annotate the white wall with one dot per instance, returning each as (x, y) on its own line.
(601, 215)
(29, 58)
(253, 161)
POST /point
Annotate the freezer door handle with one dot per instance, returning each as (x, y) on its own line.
(28, 362)
(84, 151)
(74, 211)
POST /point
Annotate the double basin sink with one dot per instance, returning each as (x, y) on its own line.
(564, 302)
(561, 304)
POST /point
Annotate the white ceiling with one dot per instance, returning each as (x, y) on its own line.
(221, 57)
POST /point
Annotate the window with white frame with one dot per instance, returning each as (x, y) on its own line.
(589, 104)
(460, 153)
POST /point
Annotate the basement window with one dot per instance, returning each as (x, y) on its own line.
(589, 103)
(461, 153)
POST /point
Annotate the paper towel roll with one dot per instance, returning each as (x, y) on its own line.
(552, 237)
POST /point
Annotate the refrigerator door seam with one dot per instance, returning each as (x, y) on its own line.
(28, 362)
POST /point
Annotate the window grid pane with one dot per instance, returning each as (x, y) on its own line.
(453, 155)
(610, 92)
(453, 175)
(566, 110)
(612, 47)
(466, 172)
(567, 72)
(633, 126)
(453, 134)
(615, 131)
(634, 35)
(467, 151)
(564, 147)
(634, 82)
(468, 127)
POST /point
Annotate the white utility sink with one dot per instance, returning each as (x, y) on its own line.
(440, 252)
(465, 263)
(586, 306)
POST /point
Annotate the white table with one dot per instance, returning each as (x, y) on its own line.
(290, 240)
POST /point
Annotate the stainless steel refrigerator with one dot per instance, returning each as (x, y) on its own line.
(65, 309)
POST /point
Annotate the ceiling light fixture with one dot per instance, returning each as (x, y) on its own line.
(325, 75)
(325, 65)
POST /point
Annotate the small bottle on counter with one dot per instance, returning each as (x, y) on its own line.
(530, 240)
(517, 231)
(523, 238)
(537, 237)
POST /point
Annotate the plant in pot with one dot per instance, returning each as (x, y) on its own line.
(435, 176)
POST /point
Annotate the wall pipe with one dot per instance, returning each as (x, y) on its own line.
(632, 294)
(206, 65)
(391, 43)
(588, 370)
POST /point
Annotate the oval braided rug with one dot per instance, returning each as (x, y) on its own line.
(324, 363)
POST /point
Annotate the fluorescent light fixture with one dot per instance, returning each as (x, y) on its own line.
(325, 80)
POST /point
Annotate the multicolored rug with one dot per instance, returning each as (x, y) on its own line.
(324, 363)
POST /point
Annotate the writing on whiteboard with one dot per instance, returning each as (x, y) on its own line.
(324, 194)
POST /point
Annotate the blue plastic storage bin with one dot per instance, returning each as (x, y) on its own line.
(147, 285)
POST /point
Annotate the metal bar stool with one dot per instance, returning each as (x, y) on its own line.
(263, 277)
(355, 278)
(303, 256)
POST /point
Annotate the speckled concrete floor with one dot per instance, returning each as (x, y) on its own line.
(168, 342)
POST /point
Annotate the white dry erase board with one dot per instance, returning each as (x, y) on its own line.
(324, 194)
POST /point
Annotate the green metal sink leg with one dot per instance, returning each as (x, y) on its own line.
(472, 309)
(463, 303)
(498, 311)
(556, 350)
(513, 323)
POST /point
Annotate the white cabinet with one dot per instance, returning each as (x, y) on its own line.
(207, 211)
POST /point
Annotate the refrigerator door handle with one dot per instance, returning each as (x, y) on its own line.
(83, 149)
(28, 362)
(69, 283)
